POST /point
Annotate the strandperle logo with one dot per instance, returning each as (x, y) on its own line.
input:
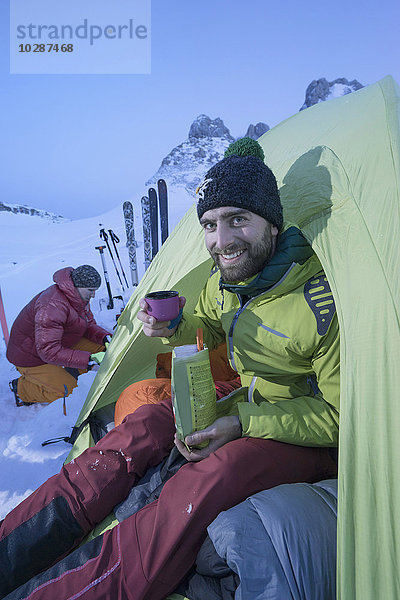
(84, 31)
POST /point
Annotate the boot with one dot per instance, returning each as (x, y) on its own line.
(14, 388)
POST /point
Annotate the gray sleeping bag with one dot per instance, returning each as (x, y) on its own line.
(281, 542)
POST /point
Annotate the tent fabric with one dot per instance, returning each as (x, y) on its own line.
(338, 169)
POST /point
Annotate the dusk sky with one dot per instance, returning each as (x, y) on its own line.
(78, 145)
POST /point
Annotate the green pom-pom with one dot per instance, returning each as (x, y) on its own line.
(245, 147)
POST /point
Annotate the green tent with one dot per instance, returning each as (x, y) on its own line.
(337, 165)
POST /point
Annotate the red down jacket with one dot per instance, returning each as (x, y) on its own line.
(51, 324)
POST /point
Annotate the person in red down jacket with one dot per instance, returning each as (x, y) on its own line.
(53, 337)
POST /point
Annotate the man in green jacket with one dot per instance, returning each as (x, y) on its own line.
(271, 302)
(268, 298)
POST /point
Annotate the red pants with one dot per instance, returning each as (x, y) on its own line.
(145, 556)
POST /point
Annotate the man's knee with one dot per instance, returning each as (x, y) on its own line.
(252, 462)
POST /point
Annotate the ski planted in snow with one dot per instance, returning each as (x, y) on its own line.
(163, 205)
(153, 221)
(146, 231)
(130, 240)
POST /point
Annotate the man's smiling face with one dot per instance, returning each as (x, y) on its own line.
(239, 241)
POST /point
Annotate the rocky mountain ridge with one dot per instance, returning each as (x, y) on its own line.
(186, 164)
(33, 212)
(256, 131)
(320, 90)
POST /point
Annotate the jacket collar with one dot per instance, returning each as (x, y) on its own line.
(292, 249)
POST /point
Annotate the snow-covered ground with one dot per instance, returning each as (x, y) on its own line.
(31, 250)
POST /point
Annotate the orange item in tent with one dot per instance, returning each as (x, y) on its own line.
(152, 391)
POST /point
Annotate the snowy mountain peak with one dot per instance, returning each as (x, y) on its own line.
(204, 127)
(256, 131)
(320, 90)
(33, 212)
(186, 164)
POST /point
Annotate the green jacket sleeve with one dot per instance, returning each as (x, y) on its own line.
(206, 317)
(306, 420)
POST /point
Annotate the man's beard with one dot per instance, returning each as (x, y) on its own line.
(257, 256)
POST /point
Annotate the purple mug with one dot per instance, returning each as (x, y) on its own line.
(163, 305)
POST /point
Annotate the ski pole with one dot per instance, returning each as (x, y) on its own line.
(110, 304)
(3, 321)
(115, 240)
(104, 236)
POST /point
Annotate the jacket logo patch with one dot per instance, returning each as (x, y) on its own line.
(278, 333)
(319, 298)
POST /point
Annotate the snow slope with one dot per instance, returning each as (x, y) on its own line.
(31, 250)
